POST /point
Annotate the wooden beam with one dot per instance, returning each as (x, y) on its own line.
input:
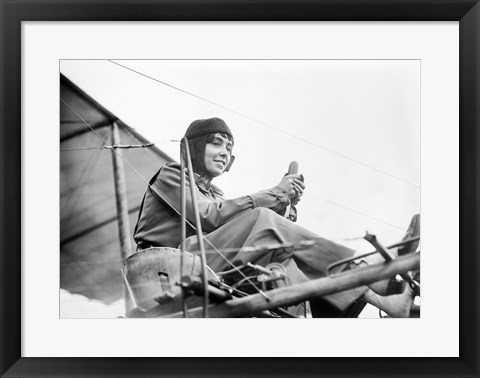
(122, 206)
(290, 295)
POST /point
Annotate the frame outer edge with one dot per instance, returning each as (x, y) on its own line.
(10, 217)
(469, 186)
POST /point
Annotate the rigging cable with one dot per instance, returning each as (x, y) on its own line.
(335, 204)
(83, 175)
(271, 126)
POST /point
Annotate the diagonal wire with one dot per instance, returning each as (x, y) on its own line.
(238, 269)
(294, 136)
(82, 176)
(336, 204)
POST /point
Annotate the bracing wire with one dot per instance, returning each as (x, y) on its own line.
(291, 135)
(237, 269)
(81, 177)
(339, 205)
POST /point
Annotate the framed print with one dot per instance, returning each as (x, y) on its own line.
(364, 111)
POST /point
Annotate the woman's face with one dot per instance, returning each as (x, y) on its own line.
(217, 155)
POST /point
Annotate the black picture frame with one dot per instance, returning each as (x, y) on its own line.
(467, 12)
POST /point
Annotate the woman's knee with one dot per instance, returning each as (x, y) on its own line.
(264, 212)
(260, 210)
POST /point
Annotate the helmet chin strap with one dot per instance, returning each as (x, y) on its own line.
(191, 147)
(232, 159)
(197, 151)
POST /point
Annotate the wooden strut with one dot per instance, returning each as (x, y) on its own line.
(122, 207)
(198, 226)
(125, 146)
(290, 295)
(183, 217)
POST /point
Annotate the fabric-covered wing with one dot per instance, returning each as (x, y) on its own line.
(90, 259)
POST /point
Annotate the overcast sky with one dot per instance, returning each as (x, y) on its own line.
(352, 125)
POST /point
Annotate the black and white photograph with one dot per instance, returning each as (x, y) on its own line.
(240, 188)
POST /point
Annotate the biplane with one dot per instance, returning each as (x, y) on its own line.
(169, 282)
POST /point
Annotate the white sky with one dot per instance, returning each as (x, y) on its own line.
(334, 117)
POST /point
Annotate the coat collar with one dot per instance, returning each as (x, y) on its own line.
(203, 182)
(206, 186)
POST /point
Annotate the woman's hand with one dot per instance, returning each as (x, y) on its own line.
(293, 185)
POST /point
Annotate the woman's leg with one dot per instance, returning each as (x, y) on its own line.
(262, 227)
